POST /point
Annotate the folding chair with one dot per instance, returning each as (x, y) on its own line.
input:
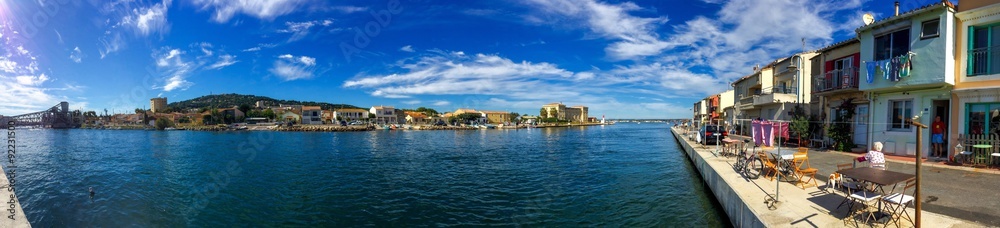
(898, 202)
(802, 152)
(770, 165)
(865, 198)
(803, 172)
(844, 183)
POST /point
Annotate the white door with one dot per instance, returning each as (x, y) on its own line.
(861, 125)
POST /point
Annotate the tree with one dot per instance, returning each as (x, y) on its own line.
(138, 111)
(512, 117)
(840, 129)
(428, 111)
(207, 119)
(163, 123)
(555, 113)
(541, 113)
(184, 119)
(269, 114)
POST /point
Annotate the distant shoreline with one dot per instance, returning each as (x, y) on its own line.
(332, 128)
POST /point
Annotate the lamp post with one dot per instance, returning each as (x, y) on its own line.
(916, 192)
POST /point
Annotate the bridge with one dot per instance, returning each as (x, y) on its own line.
(58, 117)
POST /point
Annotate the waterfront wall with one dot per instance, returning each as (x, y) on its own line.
(736, 207)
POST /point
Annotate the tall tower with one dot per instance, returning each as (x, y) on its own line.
(157, 104)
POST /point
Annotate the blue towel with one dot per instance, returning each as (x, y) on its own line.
(870, 74)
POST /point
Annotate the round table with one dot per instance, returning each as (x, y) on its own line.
(980, 157)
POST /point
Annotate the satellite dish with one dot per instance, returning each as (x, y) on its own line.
(868, 18)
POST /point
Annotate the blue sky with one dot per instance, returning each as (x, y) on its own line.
(623, 59)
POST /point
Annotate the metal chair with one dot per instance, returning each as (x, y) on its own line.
(898, 202)
(864, 198)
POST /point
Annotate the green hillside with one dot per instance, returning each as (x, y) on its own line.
(230, 100)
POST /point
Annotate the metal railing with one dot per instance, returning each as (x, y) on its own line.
(780, 89)
(984, 61)
(846, 78)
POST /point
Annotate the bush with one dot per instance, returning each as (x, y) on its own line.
(163, 123)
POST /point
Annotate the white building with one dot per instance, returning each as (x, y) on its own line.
(384, 114)
(312, 115)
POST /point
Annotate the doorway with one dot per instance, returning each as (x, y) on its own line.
(861, 125)
(941, 108)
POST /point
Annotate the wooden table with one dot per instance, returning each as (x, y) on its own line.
(731, 147)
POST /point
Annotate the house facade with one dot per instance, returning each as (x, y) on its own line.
(496, 117)
(909, 59)
(836, 73)
(747, 91)
(350, 114)
(384, 114)
(312, 115)
(975, 105)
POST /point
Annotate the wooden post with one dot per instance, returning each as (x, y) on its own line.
(916, 192)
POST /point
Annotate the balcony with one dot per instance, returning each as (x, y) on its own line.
(746, 102)
(837, 80)
(984, 61)
(775, 95)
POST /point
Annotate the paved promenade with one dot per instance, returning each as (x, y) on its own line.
(20, 220)
(816, 207)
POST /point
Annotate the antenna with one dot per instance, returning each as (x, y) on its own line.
(868, 18)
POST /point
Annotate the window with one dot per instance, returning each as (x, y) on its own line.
(984, 118)
(984, 49)
(929, 29)
(892, 44)
(898, 112)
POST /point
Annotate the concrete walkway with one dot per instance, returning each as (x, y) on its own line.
(816, 207)
(19, 219)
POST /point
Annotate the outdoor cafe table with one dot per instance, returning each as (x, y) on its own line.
(876, 176)
(783, 157)
(731, 146)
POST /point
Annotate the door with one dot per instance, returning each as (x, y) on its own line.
(861, 125)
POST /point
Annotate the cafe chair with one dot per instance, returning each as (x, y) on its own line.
(898, 202)
(770, 166)
(803, 170)
(867, 200)
(802, 152)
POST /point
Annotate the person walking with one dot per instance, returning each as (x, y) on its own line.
(937, 137)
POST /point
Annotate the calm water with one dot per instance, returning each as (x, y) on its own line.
(623, 175)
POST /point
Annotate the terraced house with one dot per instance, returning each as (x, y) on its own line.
(909, 70)
(976, 97)
(836, 76)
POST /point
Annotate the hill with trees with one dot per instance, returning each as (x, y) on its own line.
(232, 99)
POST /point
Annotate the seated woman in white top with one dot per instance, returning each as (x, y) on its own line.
(875, 157)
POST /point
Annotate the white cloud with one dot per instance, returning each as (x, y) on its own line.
(349, 9)
(224, 60)
(407, 48)
(633, 36)
(289, 67)
(76, 55)
(259, 47)
(442, 103)
(745, 33)
(261, 9)
(411, 102)
(176, 70)
(30, 80)
(327, 22)
(298, 30)
(25, 90)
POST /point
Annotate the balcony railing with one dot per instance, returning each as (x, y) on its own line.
(748, 100)
(846, 78)
(984, 61)
(779, 89)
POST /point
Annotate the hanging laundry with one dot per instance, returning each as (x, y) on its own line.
(782, 129)
(757, 132)
(886, 68)
(870, 74)
(894, 69)
(768, 133)
(904, 69)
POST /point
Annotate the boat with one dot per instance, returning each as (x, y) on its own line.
(489, 126)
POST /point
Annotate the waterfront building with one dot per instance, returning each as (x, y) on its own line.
(350, 114)
(924, 39)
(158, 104)
(290, 116)
(836, 76)
(747, 89)
(975, 107)
(724, 111)
(496, 116)
(327, 117)
(416, 117)
(384, 114)
(699, 108)
(463, 111)
(561, 112)
(312, 115)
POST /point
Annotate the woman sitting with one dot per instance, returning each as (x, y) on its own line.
(874, 157)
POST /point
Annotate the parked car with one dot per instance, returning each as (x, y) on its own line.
(707, 134)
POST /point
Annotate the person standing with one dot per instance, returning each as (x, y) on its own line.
(937, 137)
